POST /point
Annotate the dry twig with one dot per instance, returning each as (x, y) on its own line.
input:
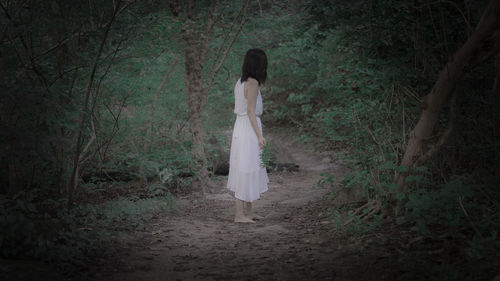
(460, 202)
(373, 207)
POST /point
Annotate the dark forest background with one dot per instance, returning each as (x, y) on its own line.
(110, 108)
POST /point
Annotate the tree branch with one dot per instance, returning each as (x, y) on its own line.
(115, 128)
(76, 161)
(59, 44)
(444, 136)
(226, 52)
(5, 11)
(155, 100)
(209, 26)
(219, 49)
(466, 21)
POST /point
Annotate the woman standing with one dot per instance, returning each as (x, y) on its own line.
(247, 175)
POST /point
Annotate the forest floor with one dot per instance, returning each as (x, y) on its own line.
(198, 240)
(297, 239)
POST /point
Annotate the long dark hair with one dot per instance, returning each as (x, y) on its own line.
(255, 66)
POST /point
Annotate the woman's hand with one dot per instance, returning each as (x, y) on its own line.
(262, 142)
(251, 93)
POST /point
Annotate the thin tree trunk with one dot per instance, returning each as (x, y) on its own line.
(495, 90)
(444, 86)
(14, 186)
(495, 104)
(83, 116)
(153, 106)
(62, 181)
(149, 125)
(214, 71)
(7, 117)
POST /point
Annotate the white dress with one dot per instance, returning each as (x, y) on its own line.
(247, 175)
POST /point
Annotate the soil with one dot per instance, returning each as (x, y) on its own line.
(294, 241)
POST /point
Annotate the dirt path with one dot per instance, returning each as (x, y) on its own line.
(199, 241)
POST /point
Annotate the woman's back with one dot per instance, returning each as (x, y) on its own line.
(240, 102)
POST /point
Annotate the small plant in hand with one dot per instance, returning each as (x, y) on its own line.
(266, 156)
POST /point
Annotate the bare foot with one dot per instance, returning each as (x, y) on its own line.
(243, 220)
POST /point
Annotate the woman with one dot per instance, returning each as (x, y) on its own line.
(247, 176)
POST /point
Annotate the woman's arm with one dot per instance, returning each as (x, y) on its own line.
(251, 93)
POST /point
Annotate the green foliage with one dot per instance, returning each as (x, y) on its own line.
(350, 73)
(438, 207)
(134, 129)
(327, 179)
(28, 234)
(351, 224)
(266, 156)
(353, 75)
(448, 206)
(125, 213)
(44, 230)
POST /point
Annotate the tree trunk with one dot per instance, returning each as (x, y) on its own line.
(197, 95)
(432, 103)
(196, 98)
(495, 104)
(85, 113)
(198, 88)
(10, 159)
(495, 90)
(14, 186)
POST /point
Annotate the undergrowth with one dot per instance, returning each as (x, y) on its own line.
(43, 229)
(360, 93)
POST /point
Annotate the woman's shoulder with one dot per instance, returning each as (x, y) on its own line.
(252, 81)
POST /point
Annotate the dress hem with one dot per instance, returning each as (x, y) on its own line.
(246, 200)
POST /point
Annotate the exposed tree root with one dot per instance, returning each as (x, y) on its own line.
(368, 210)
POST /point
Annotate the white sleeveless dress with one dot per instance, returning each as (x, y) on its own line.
(247, 176)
